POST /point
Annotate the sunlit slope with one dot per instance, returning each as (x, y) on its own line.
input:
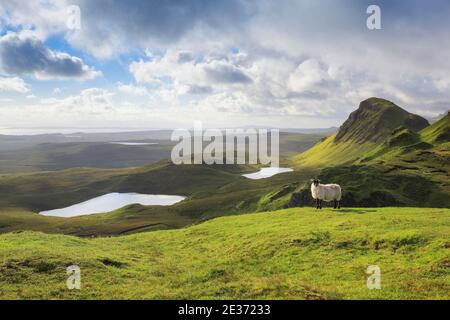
(289, 254)
(439, 131)
(364, 130)
(328, 153)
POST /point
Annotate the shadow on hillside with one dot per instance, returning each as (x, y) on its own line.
(357, 211)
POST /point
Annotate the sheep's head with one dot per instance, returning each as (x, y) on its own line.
(315, 181)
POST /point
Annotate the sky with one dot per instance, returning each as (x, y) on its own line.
(227, 63)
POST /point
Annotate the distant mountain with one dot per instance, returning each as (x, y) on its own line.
(375, 119)
(437, 118)
(365, 129)
(439, 131)
(329, 130)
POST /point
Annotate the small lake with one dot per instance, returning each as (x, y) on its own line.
(113, 201)
(266, 173)
(135, 143)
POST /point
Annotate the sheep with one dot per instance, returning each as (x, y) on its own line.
(326, 192)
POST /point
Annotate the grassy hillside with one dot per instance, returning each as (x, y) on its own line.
(289, 254)
(330, 153)
(439, 131)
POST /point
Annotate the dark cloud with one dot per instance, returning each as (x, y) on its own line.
(21, 54)
(196, 89)
(185, 56)
(226, 73)
(108, 24)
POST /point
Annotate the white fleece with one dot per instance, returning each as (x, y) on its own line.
(326, 192)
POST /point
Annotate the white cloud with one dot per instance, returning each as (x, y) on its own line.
(190, 73)
(309, 75)
(14, 84)
(132, 89)
(93, 101)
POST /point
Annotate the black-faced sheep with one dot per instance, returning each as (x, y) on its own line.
(326, 192)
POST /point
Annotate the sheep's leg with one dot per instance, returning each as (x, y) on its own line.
(317, 203)
(335, 204)
(339, 204)
(320, 204)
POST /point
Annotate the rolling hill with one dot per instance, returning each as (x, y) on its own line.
(284, 254)
(19, 154)
(60, 156)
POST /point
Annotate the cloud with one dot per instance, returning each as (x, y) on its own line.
(153, 23)
(23, 53)
(290, 60)
(193, 73)
(92, 101)
(15, 84)
(309, 75)
(132, 89)
(224, 72)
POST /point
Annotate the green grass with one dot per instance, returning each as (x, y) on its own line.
(288, 254)
(439, 131)
(328, 153)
